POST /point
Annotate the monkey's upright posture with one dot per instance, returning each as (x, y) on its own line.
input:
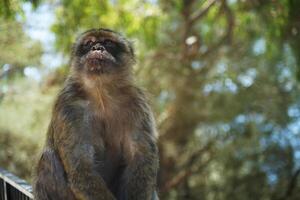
(101, 140)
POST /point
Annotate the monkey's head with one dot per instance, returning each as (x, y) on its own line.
(102, 52)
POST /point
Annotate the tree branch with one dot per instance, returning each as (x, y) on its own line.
(177, 180)
(7, 8)
(198, 15)
(229, 31)
(187, 168)
(291, 186)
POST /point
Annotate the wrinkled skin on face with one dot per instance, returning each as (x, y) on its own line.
(102, 51)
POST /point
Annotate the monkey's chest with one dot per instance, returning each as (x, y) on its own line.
(107, 156)
(108, 137)
(110, 166)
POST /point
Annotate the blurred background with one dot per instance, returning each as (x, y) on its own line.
(223, 77)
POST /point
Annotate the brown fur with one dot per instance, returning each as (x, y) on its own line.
(101, 140)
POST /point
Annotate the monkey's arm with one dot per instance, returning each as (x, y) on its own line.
(140, 174)
(73, 142)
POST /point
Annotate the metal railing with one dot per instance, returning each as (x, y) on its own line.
(13, 188)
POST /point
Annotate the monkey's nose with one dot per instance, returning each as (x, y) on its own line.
(98, 47)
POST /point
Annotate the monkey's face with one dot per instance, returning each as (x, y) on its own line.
(102, 51)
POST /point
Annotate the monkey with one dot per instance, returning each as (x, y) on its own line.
(101, 142)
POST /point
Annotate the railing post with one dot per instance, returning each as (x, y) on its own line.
(13, 187)
(4, 190)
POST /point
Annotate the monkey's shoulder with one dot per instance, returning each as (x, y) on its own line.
(138, 96)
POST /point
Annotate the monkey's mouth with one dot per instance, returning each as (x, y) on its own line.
(97, 62)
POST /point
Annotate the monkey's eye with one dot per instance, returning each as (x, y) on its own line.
(109, 43)
(88, 43)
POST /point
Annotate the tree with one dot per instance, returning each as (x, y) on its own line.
(17, 50)
(222, 74)
(9, 8)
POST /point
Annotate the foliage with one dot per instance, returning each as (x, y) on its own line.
(74, 17)
(9, 8)
(24, 119)
(17, 51)
(16, 155)
(16, 48)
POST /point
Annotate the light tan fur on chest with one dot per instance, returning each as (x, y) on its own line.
(113, 108)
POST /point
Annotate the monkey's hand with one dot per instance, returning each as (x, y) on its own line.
(76, 153)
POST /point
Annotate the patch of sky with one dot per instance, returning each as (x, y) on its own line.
(205, 132)
(240, 119)
(297, 156)
(246, 81)
(33, 72)
(114, 2)
(282, 136)
(221, 67)
(230, 85)
(153, 1)
(226, 85)
(37, 26)
(291, 134)
(294, 111)
(285, 76)
(272, 178)
(289, 55)
(285, 72)
(203, 48)
(212, 128)
(257, 118)
(294, 128)
(51, 61)
(259, 46)
(197, 64)
(264, 142)
(253, 117)
(247, 78)
(5, 68)
(267, 127)
(271, 170)
(163, 96)
(205, 28)
(288, 86)
(38, 23)
(4, 88)
(232, 1)
(224, 127)
(269, 139)
(213, 87)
